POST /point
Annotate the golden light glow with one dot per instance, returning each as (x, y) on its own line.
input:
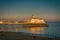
(1, 22)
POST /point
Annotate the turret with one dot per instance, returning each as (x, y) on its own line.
(33, 16)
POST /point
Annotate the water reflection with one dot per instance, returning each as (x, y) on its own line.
(38, 30)
(35, 30)
(20, 28)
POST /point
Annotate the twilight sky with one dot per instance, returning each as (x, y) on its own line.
(47, 9)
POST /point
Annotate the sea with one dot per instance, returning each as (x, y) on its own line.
(52, 30)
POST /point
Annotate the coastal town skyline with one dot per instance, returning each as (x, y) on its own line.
(21, 9)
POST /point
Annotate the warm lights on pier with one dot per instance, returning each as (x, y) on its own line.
(1, 22)
(16, 22)
(33, 20)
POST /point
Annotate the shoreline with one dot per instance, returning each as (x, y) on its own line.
(20, 36)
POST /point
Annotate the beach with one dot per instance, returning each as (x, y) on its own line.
(20, 36)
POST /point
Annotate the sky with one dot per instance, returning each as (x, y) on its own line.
(46, 9)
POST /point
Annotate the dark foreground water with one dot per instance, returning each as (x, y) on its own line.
(53, 29)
